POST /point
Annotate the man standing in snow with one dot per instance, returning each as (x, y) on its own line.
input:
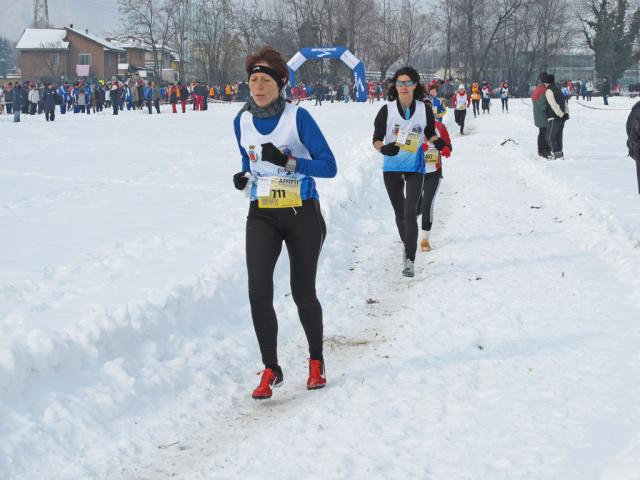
(49, 100)
(155, 92)
(115, 96)
(99, 95)
(557, 114)
(633, 137)
(540, 115)
(17, 101)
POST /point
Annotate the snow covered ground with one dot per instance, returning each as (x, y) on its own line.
(128, 352)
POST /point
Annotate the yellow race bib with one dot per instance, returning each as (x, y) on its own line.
(431, 156)
(279, 192)
(408, 141)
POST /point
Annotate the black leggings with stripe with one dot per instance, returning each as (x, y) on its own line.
(303, 231)
(397, 183)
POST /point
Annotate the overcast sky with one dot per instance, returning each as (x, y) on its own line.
(99, 16)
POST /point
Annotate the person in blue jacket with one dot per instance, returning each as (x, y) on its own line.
(74, 97)
(283, 150)
(439, 110)
(127, 97)
(88, 95)
(148, 96)
(63, 96)
(401, 127)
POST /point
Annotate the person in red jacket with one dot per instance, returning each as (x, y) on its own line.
(432, 177)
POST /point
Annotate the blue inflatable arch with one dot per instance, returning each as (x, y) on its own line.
(330, 52)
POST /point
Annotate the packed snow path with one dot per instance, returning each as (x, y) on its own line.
(512, 353)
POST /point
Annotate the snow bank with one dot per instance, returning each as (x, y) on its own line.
(121, 256)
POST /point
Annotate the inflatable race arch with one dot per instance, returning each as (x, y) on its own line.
(330, 52)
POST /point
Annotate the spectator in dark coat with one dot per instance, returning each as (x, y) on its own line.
(184, 96)
(24, 102)
(155, 92)
(100, 96)
(557, 115)
(49, 100)
(140, 91)
(205, 93)
(243, 91)
(18, 100)
(115, 94)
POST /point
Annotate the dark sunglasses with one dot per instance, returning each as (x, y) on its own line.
(405, 83)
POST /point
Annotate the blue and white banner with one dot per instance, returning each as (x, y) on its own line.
(340, 53)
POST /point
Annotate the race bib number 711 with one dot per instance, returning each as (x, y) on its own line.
(278, 192)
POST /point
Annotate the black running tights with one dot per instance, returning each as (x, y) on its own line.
(429, 191)
(476, 107)
(405, 207)
(303, 230)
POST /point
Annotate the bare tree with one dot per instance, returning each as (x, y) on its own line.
(386, 49)
(447, 23)
(219, 44)
(249, 20)
(415, 27)
(180, 28)
(147, 22)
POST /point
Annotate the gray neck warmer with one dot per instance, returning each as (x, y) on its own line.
(274, 108)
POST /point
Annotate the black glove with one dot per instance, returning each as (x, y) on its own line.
(565, 117)
(240, 181)
(271, 154)
(390, 149)
(439, 144)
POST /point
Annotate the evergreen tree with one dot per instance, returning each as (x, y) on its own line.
(6, 56)
(611, 35)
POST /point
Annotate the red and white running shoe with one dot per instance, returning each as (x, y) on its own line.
(316, 378)
(270, 379)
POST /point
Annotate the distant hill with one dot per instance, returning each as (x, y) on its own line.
(99, 16)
